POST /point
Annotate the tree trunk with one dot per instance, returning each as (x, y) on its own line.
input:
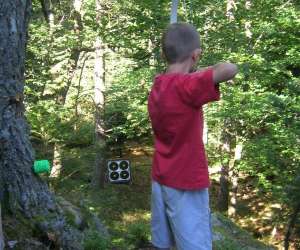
(99, 171)
(227, 197)
(85, 58)
(225, 145)
(62, 95)
(99, 78)
(223, 195)
(233, 177)
(25, 194)
(1, 232)
(291, 226)
(48, 13)
(226, 141)
(61, 99)
(57, 163)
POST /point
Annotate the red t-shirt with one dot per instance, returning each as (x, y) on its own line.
(175, 108)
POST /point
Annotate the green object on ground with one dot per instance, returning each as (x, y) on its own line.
(41, 166)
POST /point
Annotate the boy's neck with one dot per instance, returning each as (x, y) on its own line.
(183, 67)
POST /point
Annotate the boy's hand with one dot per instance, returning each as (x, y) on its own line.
(223, 72)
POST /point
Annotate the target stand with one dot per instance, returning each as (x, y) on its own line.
(118, 171)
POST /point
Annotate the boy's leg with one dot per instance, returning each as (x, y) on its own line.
(162, 237)
(189, 216)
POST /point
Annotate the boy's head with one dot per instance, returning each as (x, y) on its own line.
(179, 42)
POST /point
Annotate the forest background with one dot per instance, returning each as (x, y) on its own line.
(89, 69)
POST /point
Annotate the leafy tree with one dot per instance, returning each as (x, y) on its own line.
(259, 113)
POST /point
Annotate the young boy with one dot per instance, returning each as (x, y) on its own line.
(180, 202)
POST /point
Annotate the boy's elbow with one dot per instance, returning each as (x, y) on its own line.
(235, 70)
(224, 72)
(231, 70)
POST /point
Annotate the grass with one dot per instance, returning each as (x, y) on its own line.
(124, 209)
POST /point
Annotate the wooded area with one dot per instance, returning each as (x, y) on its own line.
(74, 81)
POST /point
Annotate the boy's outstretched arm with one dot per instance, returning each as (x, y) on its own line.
(224, 71)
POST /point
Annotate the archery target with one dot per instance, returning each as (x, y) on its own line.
(118, 171)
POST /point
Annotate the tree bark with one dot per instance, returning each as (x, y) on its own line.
(57, 161)
(48, 13)
(227, 197)
(227, 172)
(1, 232)
(225, 148)
(99, 78)
(234, 177)
(99, 171)
(223, 194)
(291, 226)
(85, 58)
(25, 194)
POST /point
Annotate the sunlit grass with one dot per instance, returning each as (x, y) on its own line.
(125, 208)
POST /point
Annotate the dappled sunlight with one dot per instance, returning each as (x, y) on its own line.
(80, 97)
(264, 219)
(136, 216)
(123, 206)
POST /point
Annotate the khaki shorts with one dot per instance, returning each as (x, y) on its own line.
(180, 218)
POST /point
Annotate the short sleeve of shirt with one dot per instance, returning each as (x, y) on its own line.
(197, 89)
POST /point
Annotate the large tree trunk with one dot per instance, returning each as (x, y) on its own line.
(1, 232)
(25, 194)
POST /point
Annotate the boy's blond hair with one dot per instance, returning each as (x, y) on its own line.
(179, 41)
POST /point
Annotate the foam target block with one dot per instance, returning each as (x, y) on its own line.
(118, 171)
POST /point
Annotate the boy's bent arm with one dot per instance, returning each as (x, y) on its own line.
(224, 71)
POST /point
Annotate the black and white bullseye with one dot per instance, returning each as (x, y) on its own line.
(118, 171)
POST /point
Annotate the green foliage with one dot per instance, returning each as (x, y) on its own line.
(126, 105)
(293, 191)
(94, 241)
(138, 234)
(261, 109)
(226, 244)
(53, 123)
